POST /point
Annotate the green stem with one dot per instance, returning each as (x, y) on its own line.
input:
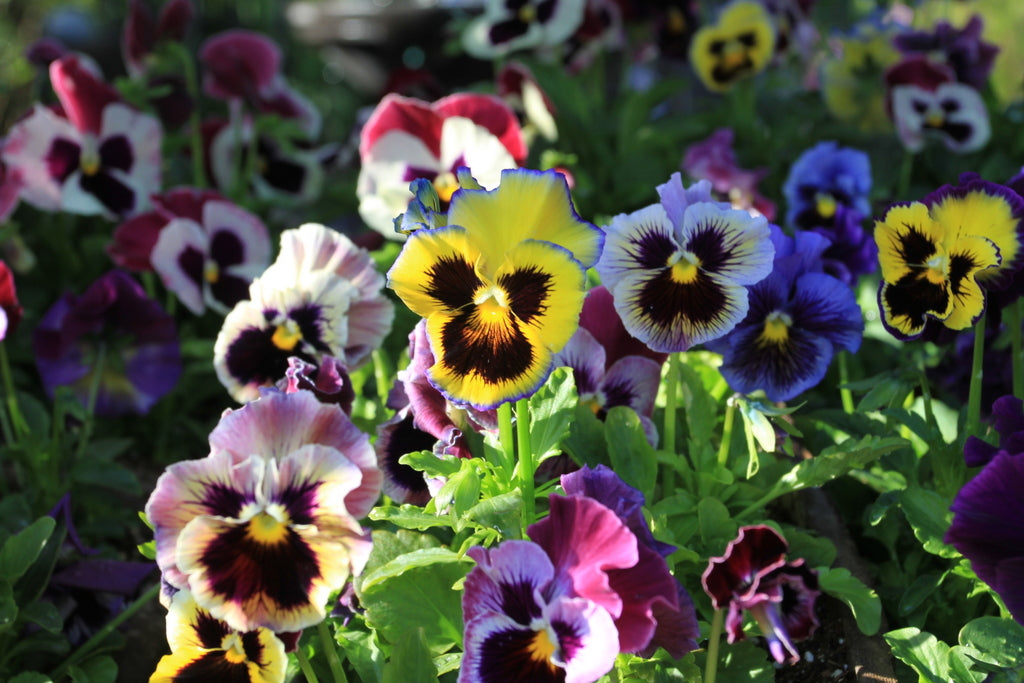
(88, 646)
(10, 398)
(845, 395)
(711, 665)
(1014, 318)
(305, 666)
(730, 416)
(671, 398)
(926, 395)
(90, 408)
(527, 465)
(506, 436)
(330, 647)
(195, 132)
(905, 172)
(974, 393)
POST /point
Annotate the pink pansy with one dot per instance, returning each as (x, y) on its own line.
(10, 188)
(141, 33)
(135, 238)
(94, 156)
(713, 159)
(405, 139)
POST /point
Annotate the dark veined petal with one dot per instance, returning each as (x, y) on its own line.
(436, 271)
(907, 239)
(728, 242)
(276, 564)
(642, 240)
(501, 347)
(969, 260)
(509, 579)
(205, 649)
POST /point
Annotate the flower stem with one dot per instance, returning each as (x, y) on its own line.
(527, 466)
(1014, 318)
(711, 665)
(90, 408)
(305, 666)
(506, 436)
(88, 646)
(845, 395)
(194, 122)
(669, 442)
(730, 416)
(974, 393)
(330, 648)
(15, 425)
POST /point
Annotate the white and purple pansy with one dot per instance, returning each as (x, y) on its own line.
(95, 155)
(510, 25)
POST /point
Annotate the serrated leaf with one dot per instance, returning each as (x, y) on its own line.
(21, 550)
(388, 545)
(408, 517)
(411, 661)
(551, 410)
(410, 560)
(1001, 640)
(929, 516)
(502, 512)
(862, 601)
(431, 464)
(836, 461)
(921, 651)
(362, 652)
(631, 454)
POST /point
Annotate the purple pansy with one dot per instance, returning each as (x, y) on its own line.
(95, 155)
(962, 50)
(1008, 421)
(754, 576)
(824, 178)
(988, 528)
(115, 330)
(852, 251)
(799, 318)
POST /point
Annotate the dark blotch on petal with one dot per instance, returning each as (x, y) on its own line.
(960, 266)
(117, 197)
(224, 501)
(252, 646)
(914, 296)
(254, 358)
(394, 441)
(528, 291)
(226, 249)
(210, 631)
(192, 261)
(708, 244)
(663, 299)
(497, 352)
(452, 281)
(653, 248)
(915, 247)
(229, 289)
(518, 603)
(62, 159)
(505, 31)
(116, 152)
(505, 658)
(241, 568)
(309, 318)
(213, 666)
(284, 175)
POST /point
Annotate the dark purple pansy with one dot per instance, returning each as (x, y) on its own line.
(114, 337)
(988, 528)
(754, 576)
(963, 50)
(852, 251)
(1008, 421)
(329, 382)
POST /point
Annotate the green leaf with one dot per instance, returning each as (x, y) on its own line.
(836, 461)
(921, 651)
(466, 492)
(410, 560)
(431, 464)
(632, 455)
(502, 513)
(421, 595)
(1000, 639)
(31, 677)
(698, 404)
(44, 614)
(585, 441)
(411, 661)
(8, 606)
(929, 516)
(21, 550)
(363, 653)
(758, 425)
(551, 411)
(920, 590)
(961, 662)
(408, 517)
(389, 545)
(862, 601)
(887, 391)
(106, 475)
(717, 527)
(102, 669)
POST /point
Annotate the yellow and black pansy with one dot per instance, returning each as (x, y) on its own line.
(739, 45)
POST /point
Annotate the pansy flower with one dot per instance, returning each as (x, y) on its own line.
(510, 25)
(141, 40)
(321, 297)
(1008, 423)
(753, 576)
(10, 187)
(206, 648)
(936, 254)
(96, 155)
(852, 251)
(851, 76)
(714, 159)
(963, 50)
(329, 381)
(260, 542)
(405, 139)
(114, 330)
(799, 318)
(824, 178)
(926, 101)
(501, 286)
(738, 45)
(679, 270)
(10, 310)
(605, 380)
(516, 85)
(522, 623)
(988, 527)
(206, 249)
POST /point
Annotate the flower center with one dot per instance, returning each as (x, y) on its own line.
(825, 204)
(527, 13)
(937, 269)
(267, 529)
(287, 335)
(685, 268)
(234, 649)
(776, 327)
(543, 646)
(211, 272)
(445, 185)
(491, 303)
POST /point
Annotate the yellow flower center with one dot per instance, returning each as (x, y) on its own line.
(543, 646)
(90, 163)
(491, 303)
(445, 185)
(685, 268)
(234, 649)
(934, 119)
(734, 56)
(937, 269)
(825, 204)
(527, 13)
(287, 335)
(267, 529)
(211, 272)
(676, 21)
(776, 327)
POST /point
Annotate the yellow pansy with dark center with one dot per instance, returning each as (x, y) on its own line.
(739, 45)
